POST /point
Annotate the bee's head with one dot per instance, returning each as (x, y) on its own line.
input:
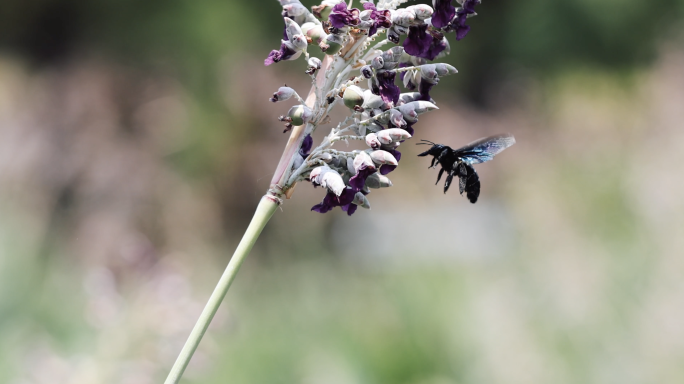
(435, 150)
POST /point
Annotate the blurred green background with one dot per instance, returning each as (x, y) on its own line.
(136, 138)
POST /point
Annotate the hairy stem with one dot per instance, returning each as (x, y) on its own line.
(267, 206)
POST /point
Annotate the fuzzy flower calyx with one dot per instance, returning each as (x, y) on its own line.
(283, 94)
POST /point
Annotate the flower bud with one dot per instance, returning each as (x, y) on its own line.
(403, 17)
(413, 109)
(316, 173)
(361, 200)
(292, 28)
(322, 11)
(384, 138)
(333, 181)
(353, 96)
(371, 101)
(387, 136)
(397, 118)
(392, 55)
(367, 71)
(378, 62)
(429, 73)
(422, 11)
(313, 31)
(327, 178)
(409, 97)
(315, 62)
(295, 9)
(377, 180)
(283, 94)
(365, 15)
(445, 69)
(372, 140)
(421, 106)
(300, 114)
(332, 44)
(314, 65)
(362, 161)
(383, 157)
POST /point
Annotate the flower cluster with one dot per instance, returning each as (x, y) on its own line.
(362, 76)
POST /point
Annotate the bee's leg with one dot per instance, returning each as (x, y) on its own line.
(447, 183)
(439, 176)
(432, 164)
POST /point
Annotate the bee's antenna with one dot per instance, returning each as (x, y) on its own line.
(425, 142)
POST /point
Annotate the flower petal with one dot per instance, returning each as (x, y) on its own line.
(444, 13)
(418, 41)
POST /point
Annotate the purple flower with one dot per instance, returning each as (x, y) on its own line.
(350, 208)
(340, 16)
(388, 90)
(418, 41)
(387, 168)
(424, 89)
(331, 201)
(363, 166)
(460, 27)
(286, 52)
(469, 5)
(444, 13)
(381, 19)
(305, 149)
(459, 23)
(424, 43)
(358, 181)
(436, 47)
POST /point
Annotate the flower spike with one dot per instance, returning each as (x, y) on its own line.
(361, 78)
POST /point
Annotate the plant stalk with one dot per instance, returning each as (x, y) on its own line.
(267, 206)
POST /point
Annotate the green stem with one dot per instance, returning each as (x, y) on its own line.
(264, 211)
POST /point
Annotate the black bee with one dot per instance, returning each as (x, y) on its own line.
(459, 162)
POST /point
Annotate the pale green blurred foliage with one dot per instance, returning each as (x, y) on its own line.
(131, 160)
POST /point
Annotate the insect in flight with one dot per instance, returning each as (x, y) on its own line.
(459, 162)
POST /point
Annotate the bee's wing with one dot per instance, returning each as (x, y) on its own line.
(484, 149)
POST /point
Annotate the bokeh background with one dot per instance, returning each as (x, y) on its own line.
(136, 138)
